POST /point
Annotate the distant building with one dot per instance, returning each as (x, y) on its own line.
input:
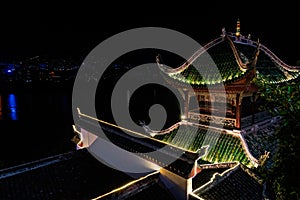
(37, 70)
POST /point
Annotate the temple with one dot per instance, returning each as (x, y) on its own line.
(222, 134)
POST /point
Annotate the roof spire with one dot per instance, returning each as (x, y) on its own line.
(238, 28)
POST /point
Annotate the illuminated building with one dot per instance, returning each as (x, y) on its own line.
(220, 140)
(232, 134)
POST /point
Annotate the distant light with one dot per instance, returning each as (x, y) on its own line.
(9, 71)
(183, 117)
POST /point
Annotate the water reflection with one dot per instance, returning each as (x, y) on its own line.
(12, 106)
(35, 106)
(28, 111)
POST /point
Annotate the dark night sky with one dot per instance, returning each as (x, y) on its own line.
(70, 32)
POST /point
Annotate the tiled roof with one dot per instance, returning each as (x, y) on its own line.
(182, 159)
(228, 61)
(223, 147)
(224, 68)
(236, 183)
(266, 68)
(262, 141)
(75, 175)
(205, 175)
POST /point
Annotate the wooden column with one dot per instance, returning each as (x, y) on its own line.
(232, 106)
(238, 111)
(198, 98)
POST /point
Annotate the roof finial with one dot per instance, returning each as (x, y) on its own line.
(223, 32)
(238, 28)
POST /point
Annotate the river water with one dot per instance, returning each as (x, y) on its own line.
(34, 125)
(37, 123)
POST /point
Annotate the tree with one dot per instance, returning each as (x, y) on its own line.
(284, 100)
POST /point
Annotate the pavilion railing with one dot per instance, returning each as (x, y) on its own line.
(209, 119)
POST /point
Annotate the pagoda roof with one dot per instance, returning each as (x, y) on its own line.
(223, 146)
(230, 60)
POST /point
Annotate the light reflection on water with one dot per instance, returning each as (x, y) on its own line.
(34, 125)
(36, 106)
(9, 107)
(12, 106)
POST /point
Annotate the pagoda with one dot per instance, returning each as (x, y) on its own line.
(221, 137)
(225, 91)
